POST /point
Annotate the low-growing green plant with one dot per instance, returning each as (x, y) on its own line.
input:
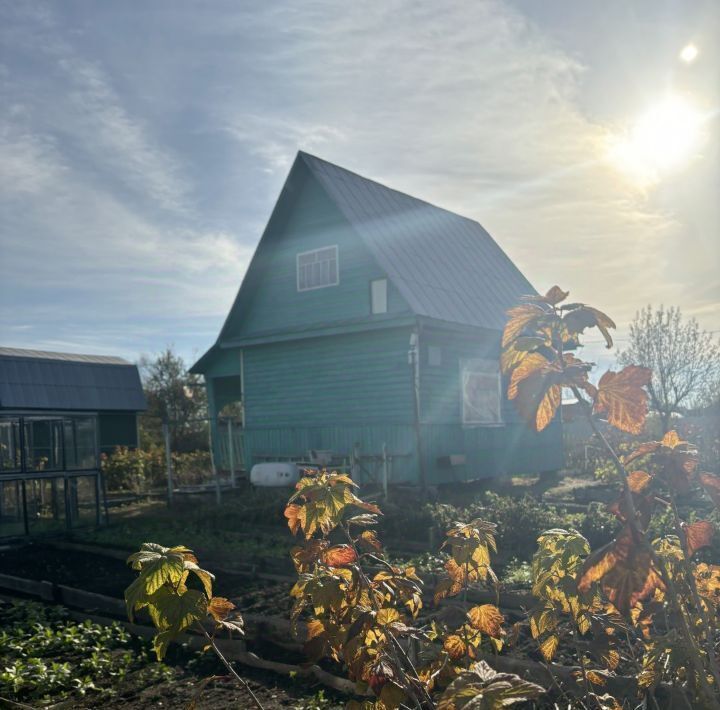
(94, 658)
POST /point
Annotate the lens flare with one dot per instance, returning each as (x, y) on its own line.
(661, 140)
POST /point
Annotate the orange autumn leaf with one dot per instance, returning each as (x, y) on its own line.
(698, 534)
(643, 506)
(622, 398)
(306, 555)
(486, 618)
(539, 394)
(638, 481)
(527, 366)
(339, 556)
(368, 542)
(455, 647)
(219, 608)
(519, 318)
(711, 484)
(671, 440)
(296, 515)
(625, 570)
(555, 295)
(587, 317)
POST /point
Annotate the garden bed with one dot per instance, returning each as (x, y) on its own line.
(51, 660)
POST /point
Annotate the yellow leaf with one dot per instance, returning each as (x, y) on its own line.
(549, 646)
(315, 628)
(455, 647)
(387, 616)
(519, 318)
(486, 618)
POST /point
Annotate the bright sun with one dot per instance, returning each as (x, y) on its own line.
(661, 140)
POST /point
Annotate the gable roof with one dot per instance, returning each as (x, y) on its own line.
(445, 266)
(35, 379)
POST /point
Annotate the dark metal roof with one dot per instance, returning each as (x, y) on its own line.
(33, 379)
(445, 266)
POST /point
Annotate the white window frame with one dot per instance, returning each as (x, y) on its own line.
(373, 310)
(483, 367)
(314, 251)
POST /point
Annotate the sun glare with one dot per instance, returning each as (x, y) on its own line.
(689, 53)
(661, 140)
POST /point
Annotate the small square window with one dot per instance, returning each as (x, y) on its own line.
(317, 269)
(434, 355)
(378, 296)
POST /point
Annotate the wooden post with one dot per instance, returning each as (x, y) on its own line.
(355, 462)
(168, 461)
(26, 522)
(231, 453)
(385, 470)
(218, 492)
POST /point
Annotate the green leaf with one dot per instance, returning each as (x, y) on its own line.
(158, 565)
(161, 642)
(176, 612)
(207, 578)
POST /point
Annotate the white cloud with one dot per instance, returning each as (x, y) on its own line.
(468, 105)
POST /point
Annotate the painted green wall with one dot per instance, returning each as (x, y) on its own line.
(360, 378)
(333, 392)
(272, 301)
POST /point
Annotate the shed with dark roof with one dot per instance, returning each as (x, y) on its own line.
(370, 320)
(44, 386)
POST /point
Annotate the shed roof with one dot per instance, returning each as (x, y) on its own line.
(446, 266)
(39, 380)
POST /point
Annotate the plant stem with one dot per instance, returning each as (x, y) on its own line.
(400, 657)
(228, 665)
(581, 657)
(690, 581)
(640, 536)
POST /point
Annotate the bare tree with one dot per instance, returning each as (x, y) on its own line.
(176, 396)
(685, 360)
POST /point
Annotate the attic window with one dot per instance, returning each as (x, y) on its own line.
(317, 268)
(378, 296)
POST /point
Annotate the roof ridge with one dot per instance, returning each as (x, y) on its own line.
(33, 354)
(305, 155)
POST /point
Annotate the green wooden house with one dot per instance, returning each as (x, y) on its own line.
(369, 320)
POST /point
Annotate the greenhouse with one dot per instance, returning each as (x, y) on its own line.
(58, 414)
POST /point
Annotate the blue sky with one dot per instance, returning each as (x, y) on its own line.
(142, 147)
